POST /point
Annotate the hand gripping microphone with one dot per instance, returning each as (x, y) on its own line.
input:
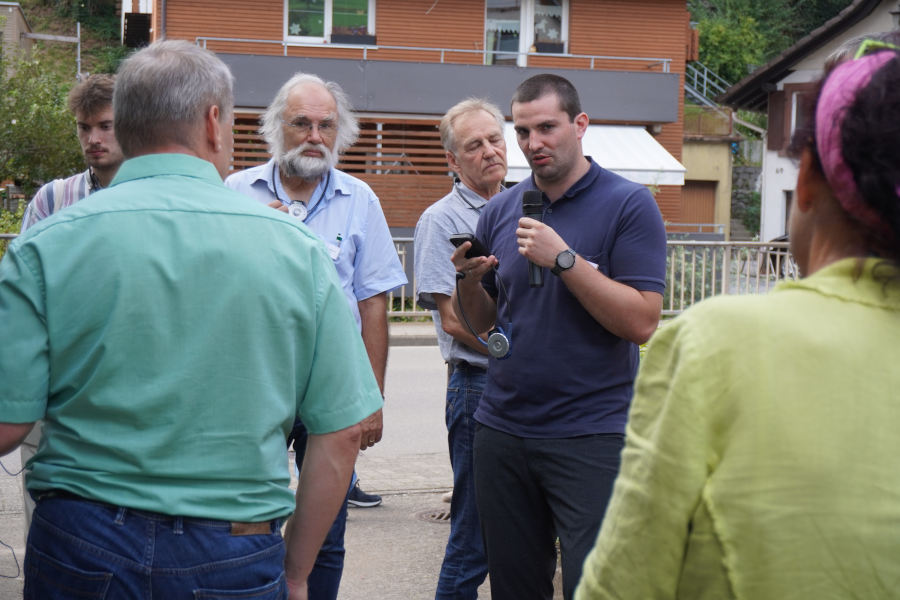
(533, 207)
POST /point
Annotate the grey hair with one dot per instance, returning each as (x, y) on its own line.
(347, 125)
(163, 91)
(461, 108)
(847, 49)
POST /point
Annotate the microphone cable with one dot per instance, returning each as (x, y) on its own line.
(4, 544)
(498, 343)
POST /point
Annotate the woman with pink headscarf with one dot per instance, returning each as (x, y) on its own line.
(761, 453)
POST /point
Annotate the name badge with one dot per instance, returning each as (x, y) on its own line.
(333, 250)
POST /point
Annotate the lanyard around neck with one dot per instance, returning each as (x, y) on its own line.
(462, 197)
(296, 208)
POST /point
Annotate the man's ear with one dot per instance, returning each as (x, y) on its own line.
(451, 160)
(581, 124)
(213, 129)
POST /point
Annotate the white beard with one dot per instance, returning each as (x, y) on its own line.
(293, 164)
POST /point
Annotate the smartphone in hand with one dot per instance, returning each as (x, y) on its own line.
(477, 248)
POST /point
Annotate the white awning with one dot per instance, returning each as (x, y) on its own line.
(628, 151)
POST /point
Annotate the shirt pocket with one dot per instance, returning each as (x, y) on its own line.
(598, 261)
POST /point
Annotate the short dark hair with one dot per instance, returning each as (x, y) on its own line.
(546, 83)
(92, 95)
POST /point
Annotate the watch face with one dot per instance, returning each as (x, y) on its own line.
(566, 259)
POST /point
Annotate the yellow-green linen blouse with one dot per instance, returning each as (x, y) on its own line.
(762, 458)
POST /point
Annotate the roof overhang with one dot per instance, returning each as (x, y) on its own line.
(625, 150)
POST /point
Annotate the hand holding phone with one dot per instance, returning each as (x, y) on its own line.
(477, 248)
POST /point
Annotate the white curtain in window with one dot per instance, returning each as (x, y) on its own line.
(502, 25)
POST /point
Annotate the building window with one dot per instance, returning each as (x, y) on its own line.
(788, 199)
(548, 26)
(513, 28)
(336, 21)
(802, 109)
(502, 26)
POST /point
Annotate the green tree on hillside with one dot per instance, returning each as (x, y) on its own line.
(737, 36)
(38, 141)
(728, 47)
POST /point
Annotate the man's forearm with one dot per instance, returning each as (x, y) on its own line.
(11, 435)
(373, 316)
(477, 306)
(324, 480)
(452, 325)
(624, 311)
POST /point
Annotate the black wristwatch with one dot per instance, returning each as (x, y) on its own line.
(565, 260)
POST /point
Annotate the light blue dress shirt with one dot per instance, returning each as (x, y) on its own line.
(346, 214)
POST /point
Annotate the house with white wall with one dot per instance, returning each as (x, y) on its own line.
(778, 89)
(13, 31)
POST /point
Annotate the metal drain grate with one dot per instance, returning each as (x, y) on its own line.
(434, 516)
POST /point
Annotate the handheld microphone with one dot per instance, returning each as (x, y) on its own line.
(533, 207)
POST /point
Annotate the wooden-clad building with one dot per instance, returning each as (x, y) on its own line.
(405, 62)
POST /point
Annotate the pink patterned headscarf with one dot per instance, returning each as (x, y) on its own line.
(838, 93)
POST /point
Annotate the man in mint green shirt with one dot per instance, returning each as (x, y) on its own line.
(169, 355)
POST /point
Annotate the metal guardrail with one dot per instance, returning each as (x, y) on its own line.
(704, 80)
(665, 63)
(694, 270)
(683, 228)
(699, 269)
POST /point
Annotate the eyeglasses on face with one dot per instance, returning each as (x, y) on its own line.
(326, 127)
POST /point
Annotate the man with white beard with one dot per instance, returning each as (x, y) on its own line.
(309, 123)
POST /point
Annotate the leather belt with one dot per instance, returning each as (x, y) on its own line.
(465, 366)
(237, 528)
(262, 528)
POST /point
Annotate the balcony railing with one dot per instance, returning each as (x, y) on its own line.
(663, 63)
(694, 270)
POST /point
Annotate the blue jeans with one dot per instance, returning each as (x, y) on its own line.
(83, 549)
(465, 565)
(325, 578)
(532, 491)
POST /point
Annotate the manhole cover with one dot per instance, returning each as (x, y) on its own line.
(434, 516)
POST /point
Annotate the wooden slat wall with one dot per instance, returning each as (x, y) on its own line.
(398, 147)
(429, 24)
(652, 28)
(402, 161)
(260, 19)
(648, 28)
(668, 198)
(249, 148)
(404, 199)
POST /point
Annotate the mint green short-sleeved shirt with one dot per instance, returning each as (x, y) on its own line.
(169, 332)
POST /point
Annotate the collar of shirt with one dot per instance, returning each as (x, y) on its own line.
(149, 165)
(325, 189)
(586, 181)
(470, 198)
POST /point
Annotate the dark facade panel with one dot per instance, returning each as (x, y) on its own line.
(431, 89)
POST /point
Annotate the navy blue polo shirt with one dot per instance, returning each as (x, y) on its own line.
(567, 375)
